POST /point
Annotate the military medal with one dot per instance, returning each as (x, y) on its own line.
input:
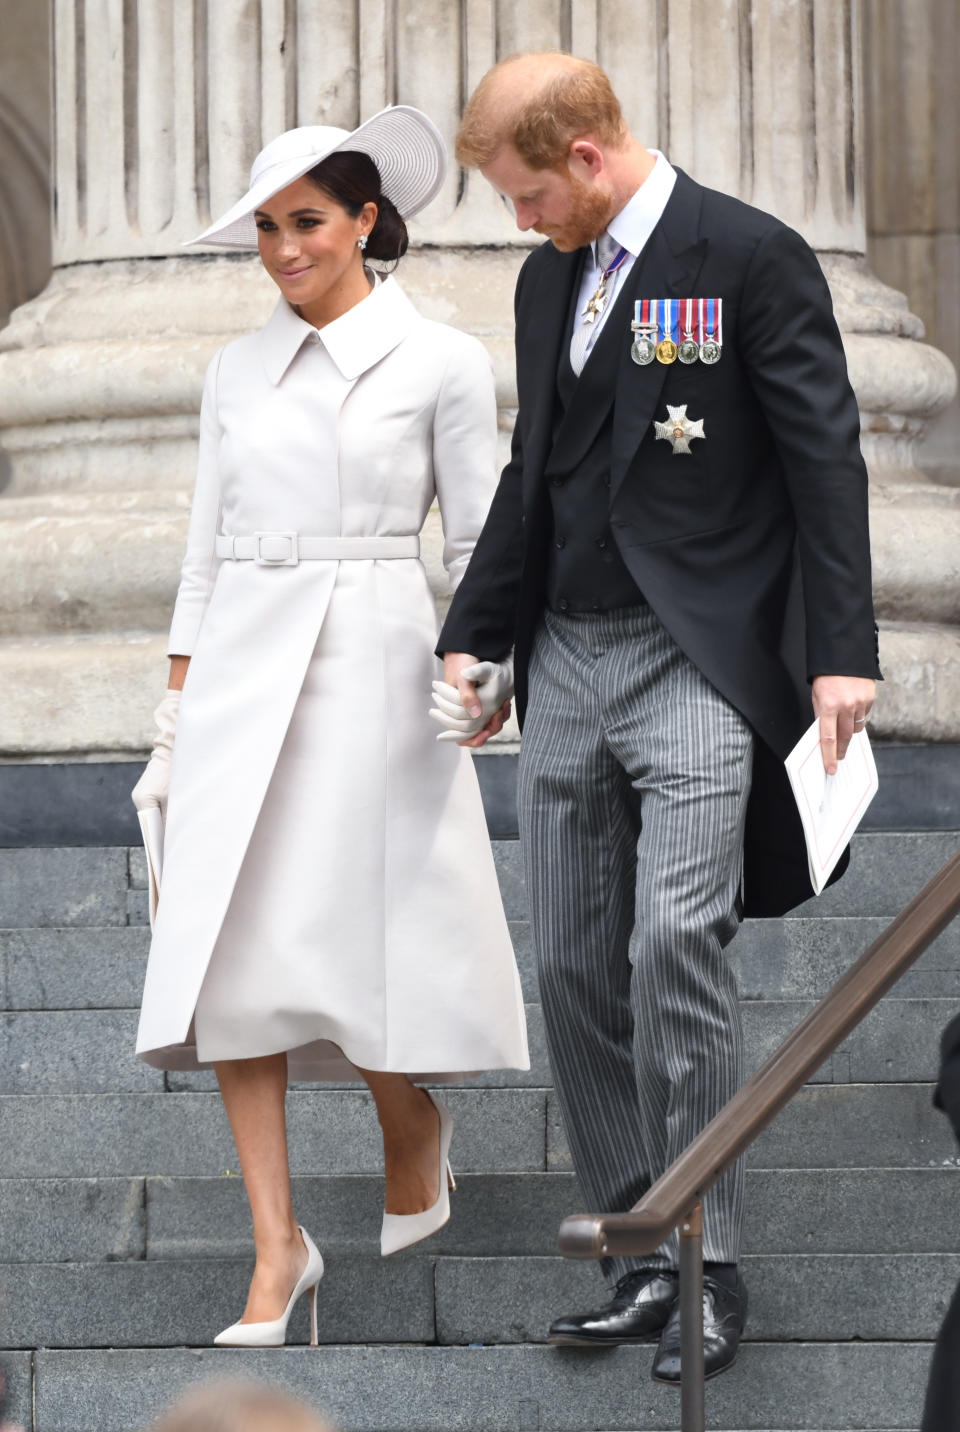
(689, 349)
(644, 348)
(678, 430)
(666, 348)
(712, 345)
(598, 301)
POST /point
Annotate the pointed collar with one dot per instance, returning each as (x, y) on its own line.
(638, 218)
(355, 341)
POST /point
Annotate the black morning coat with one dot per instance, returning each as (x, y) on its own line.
(753, 550)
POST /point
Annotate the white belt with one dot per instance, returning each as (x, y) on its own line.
(287, 549)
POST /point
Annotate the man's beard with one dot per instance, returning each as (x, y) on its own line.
(589, 212)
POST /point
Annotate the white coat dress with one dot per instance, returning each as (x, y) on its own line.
(328, 887)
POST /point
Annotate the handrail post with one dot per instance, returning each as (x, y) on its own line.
(692, 1399)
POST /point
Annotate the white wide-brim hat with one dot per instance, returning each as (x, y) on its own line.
(403, 143)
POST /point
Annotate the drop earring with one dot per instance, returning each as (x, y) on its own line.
(362, 242)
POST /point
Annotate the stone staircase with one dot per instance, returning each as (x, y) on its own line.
(125, 1241)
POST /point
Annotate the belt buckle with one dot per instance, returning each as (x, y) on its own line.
(289, 558)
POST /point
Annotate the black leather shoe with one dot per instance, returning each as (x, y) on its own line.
(641, 1304)
(724, 1316)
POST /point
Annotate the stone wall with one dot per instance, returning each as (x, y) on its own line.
(158, 109)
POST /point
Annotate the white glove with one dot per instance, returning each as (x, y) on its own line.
(151, 789)
(494, 683)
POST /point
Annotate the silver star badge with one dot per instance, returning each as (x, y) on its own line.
(679, 429)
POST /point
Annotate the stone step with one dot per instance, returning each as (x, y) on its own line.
(788, 1211)
(102, 1220)
(92, 1051)
(88, 803)
(17, 1399)
(90, 968)
(80, 968)
(365, 1299)
(497, 1131)
(68, 886)
(68, 1136)
(887, 870)
(105, 886)
(787, 1387)
(801, 958)
(833, 1126)
(421, 1299)
(88, 1051)
(792, 1297)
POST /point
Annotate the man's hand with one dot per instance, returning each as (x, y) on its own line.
(455, 663)
(842, 704)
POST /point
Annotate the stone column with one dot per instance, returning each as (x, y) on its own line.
(159, 109)
(24, 156)
(912, 166)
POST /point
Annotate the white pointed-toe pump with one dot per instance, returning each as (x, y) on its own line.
(401, 1229)
(274, 1334)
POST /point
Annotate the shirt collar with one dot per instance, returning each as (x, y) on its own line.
(355, 341)
(638, 218)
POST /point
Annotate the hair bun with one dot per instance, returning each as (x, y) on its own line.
(388, 238)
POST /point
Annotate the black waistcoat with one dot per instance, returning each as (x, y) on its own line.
(585, 571)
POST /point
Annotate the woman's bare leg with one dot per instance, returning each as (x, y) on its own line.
(411, 1142)
(253, 1093)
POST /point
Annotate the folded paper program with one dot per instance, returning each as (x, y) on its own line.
(831, 807)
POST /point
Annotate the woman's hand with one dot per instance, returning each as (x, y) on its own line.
(476, 707)
(152, 787)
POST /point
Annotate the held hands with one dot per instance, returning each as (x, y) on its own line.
(842, 704)
(151, 789)
(473, 701)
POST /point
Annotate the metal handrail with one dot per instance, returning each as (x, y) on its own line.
(674, 1201)
(752, 1108)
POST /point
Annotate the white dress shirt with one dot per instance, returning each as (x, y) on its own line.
(631, 229)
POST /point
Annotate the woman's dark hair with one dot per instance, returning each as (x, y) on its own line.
(352, 179)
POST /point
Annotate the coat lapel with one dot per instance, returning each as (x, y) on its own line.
(669, 268)
(544, 330)
(594, 393)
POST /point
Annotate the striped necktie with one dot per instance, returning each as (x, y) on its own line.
(583, 332)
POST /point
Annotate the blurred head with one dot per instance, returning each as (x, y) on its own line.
(235, 1406)
(308, 233)
(545, 130)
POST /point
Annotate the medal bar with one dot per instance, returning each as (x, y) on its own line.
(689, 348)
(666, 348)
(711, 313)
(644, 348)
(687, 330)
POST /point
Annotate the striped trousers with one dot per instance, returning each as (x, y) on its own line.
(634, 777)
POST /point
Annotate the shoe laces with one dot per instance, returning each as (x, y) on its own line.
(628, 1279)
